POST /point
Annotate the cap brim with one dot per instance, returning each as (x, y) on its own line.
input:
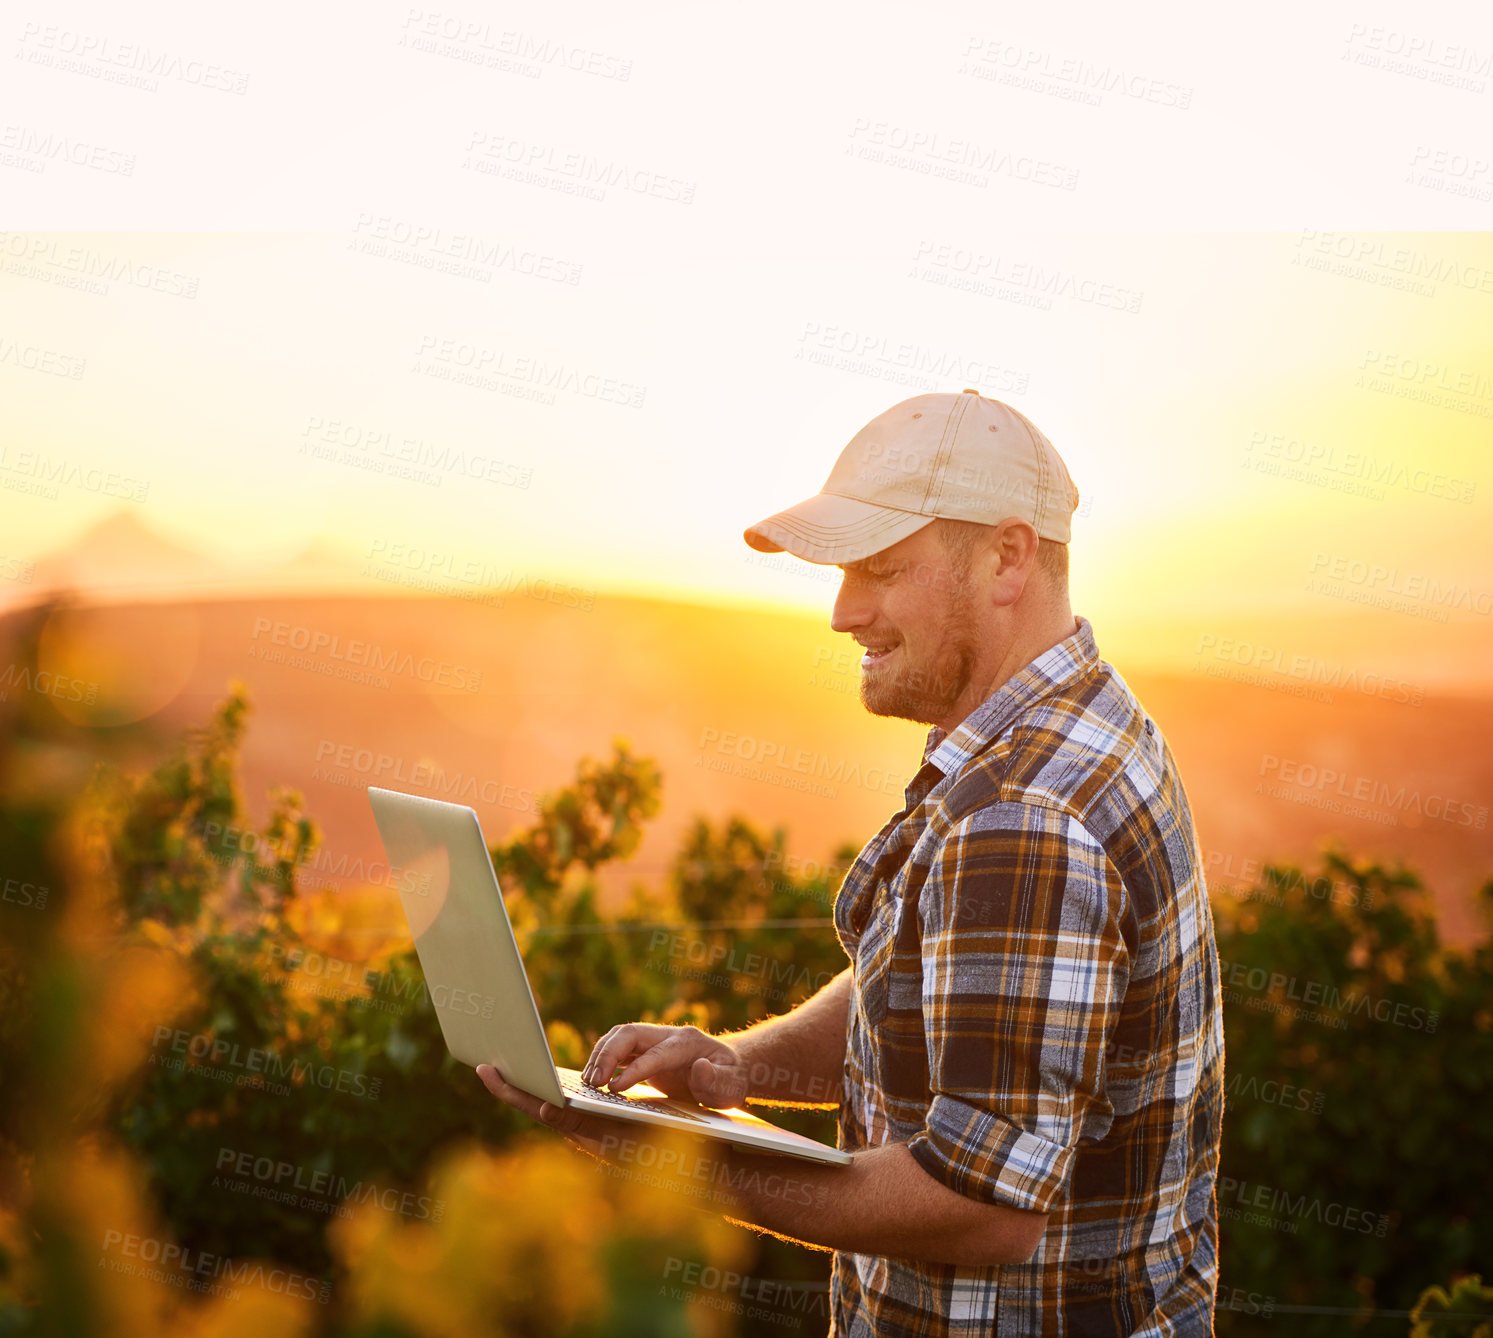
(829, 528)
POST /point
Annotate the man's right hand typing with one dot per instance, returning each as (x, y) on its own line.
(682, 1062)
(794, 1059)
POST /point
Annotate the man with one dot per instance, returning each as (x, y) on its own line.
(1027, 1049)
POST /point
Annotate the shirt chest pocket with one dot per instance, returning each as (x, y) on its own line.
(874, 954)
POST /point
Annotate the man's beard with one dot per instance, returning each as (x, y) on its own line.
(927, 694)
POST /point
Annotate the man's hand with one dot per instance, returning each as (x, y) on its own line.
(682, 1062)
(588, 1132)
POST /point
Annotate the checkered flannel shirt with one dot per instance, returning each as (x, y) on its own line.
(1037, 1015)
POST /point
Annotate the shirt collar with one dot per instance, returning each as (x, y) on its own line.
(1069, 659)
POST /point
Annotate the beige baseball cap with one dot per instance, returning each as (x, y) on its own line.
(960, 456)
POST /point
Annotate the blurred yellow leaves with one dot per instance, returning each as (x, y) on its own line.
(138, 989)
(107, 1266)
(523, 1246)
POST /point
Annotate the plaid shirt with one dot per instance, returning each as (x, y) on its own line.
(1037, 1015)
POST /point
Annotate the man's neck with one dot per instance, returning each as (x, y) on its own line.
(1021, 653)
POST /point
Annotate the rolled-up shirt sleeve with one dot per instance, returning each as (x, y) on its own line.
(1025, 967)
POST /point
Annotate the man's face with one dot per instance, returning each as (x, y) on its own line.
(917, 617)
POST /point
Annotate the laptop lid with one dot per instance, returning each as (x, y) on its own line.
(464, 939)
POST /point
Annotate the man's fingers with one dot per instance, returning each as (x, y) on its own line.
(718, 1085)
(675, 1052)
(618, 1046)
(574, 1124)
(570, 1121)
(507, 1093)
(591, 1065)
(641, 1066)
(670, 1058)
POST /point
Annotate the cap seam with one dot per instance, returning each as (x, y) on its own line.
(850, 497)
(1039, 508)
(951, 430)
(869, 526)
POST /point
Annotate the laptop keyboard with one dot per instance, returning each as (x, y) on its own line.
(576, 1087)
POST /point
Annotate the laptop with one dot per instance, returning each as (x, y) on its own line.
(476, 979)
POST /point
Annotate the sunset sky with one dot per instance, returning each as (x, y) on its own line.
(1263, 370)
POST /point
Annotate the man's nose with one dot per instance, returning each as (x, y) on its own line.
(852, 608)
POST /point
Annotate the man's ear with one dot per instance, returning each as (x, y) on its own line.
(1006, 566)
(1013, 545)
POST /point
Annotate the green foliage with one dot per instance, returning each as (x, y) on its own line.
(264, 1069)
(1339, 995)
(733, 883)
(310, 1088)
(1359, 1048)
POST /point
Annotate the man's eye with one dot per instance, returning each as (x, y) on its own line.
(873, 577)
